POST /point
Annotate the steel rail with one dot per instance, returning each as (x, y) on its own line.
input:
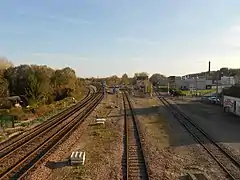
(13, 142)
(29, 161)
(135, 160)
(199, 134)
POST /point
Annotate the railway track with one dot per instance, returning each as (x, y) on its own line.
(19, 159)
(135, 162)
(14, 142)
(226, 161)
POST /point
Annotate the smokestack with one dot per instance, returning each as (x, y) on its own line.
(209, 67)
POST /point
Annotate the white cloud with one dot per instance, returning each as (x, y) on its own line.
(133, 40)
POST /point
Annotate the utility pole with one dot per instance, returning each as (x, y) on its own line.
(168, 87)
(217, 82)
(196, 85)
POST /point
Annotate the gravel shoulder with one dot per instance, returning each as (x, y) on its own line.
(103, 145)
(171, 151)
(223, 127)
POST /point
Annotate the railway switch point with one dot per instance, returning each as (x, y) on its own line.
(100, 120)
(77, 158)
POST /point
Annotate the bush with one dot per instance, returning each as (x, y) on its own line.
(18, 112)
(5, 104)
(42, 110)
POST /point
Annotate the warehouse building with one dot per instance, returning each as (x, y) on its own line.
(193, 83)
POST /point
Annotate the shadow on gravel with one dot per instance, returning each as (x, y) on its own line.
(55, 165)
(146, 111)
(94, 124)
(222, 127)
(118, 115)
(196, 176)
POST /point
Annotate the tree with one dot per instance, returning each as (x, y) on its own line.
(5, 63)
(124, 79)
(64, 82)
(113, 80)
(3, 87)
(157, 78)
(32, 87)
(141, 74)
(17, 79)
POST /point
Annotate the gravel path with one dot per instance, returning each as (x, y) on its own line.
(102, 144)
(223, 127)
(171, 150)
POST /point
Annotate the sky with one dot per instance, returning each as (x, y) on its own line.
(113, 37)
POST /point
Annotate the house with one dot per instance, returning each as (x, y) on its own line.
(231, 100)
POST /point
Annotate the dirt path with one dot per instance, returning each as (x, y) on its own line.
(171, 150)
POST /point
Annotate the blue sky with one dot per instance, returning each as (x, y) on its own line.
(107, 37)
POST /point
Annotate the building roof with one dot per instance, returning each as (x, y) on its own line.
(233, 91)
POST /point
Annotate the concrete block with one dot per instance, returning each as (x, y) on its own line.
(100, 120)
(77, 158)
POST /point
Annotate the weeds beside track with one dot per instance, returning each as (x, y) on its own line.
(16, 162)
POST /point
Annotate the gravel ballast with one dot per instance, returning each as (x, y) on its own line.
(222, 127)
(171, 150)
(102, 144)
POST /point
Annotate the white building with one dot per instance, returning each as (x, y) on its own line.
(231, 100)
(228, 80)
(200, 83)
(231, 104)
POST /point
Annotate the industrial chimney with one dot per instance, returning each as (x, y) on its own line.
(209, 67)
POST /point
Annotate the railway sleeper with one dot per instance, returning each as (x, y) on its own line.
(136, 166)
(135, 158)
(134, 147)
(137, 175)
(136, 161)
(136, 171)
(138, 155)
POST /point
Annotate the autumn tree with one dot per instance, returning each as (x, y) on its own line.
(64, 82)
(113, 80)
(3, 87)
(157, 78)
(17, 79)
(140, 74)
(124, 79)
(5, 63)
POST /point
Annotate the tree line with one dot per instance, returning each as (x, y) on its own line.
(38, 83)
(126, 80)
(42, 84)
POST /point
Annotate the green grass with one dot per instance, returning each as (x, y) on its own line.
(202, 91)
